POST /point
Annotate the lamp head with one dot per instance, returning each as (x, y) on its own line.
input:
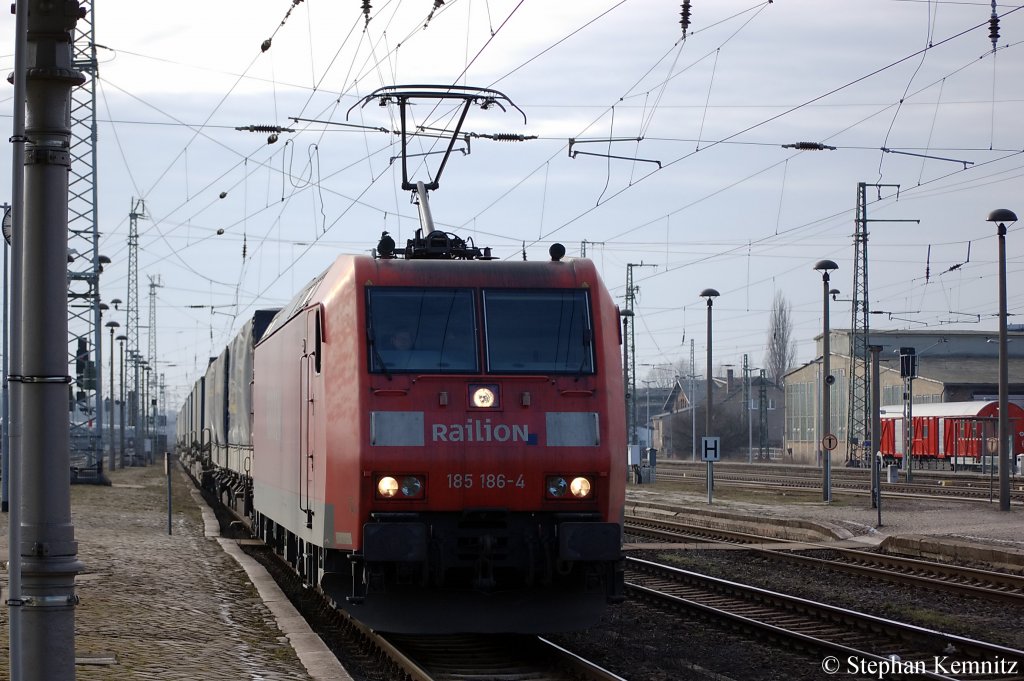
(710, 294)
(112, 325)
(826, 266)
(8, 223)
(121, 337)
(1002, 215)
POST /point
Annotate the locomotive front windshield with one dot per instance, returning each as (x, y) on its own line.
(434, 330)
(538, 332)
(430, 330)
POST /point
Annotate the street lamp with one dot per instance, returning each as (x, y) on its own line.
(112, 325)
(8, 226)
(145, 411)
(710, 294)
(647, 421)
(828, 439)
(121, 340)
(630, 397)
(1001, 216)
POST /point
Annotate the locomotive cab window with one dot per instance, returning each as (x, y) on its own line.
(429, 330)
(538, 331)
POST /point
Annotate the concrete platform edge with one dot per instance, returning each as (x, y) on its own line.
(313, 653)
(946, 548)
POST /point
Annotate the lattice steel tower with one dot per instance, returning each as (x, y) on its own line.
(630, 346)
(85, 359)
(859, 398)
(154, 284)
(858, 423)
(138, 211)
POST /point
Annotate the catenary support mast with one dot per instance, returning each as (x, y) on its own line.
(47, 553)
(138, 211)
(85, 337)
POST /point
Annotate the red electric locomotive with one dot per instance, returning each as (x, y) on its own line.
(959, 433)
(437, 440)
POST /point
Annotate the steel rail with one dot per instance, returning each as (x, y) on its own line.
(825, 626)
(988, 584)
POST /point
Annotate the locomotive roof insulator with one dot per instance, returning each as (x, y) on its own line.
(386, 246)
(436, 245)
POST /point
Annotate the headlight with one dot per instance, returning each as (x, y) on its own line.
(401, 487)
(387, 487)
(411, 486)
(557, 486)
(580, 488)
(568, 487)
(484, 396)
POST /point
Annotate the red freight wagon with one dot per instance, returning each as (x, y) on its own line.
(960, 433)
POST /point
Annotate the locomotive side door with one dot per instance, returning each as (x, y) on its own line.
(309, 366)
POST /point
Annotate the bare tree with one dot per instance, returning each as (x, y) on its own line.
(781, 350)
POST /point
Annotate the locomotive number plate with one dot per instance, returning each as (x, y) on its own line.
(486, 481)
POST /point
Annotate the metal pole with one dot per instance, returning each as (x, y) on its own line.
(710, 294)
(746, 407)
(1004, 381)
(49, 553)
(909, 454)
(167, 471)
(626, 314)
(826, 399)
(145, 413)
(876, 465)
(707, 374)
(113, 445)
(121, 412)
(876, 430)
(693, 405)
(137, 433)
(5, 444)
(14, 441)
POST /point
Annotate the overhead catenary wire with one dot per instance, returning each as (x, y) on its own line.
(325, 182)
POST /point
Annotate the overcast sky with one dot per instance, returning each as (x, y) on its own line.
(698, 186)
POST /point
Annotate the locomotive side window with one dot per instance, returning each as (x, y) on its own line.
(430, 330)
(538, 331)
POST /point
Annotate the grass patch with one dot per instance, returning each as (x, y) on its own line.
(680, 559)
(927, 618)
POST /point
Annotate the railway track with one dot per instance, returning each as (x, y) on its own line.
(995, 586)
(878, 647)
(968, 488)
(485, 658)
(490, 657)
(677, 532)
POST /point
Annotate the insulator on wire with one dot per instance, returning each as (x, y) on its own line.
(684, 17)
(993, 27)
(366, 10)
(808, 146)
(264, 128)
(437, 6)
(265, 45)
(508, 137)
